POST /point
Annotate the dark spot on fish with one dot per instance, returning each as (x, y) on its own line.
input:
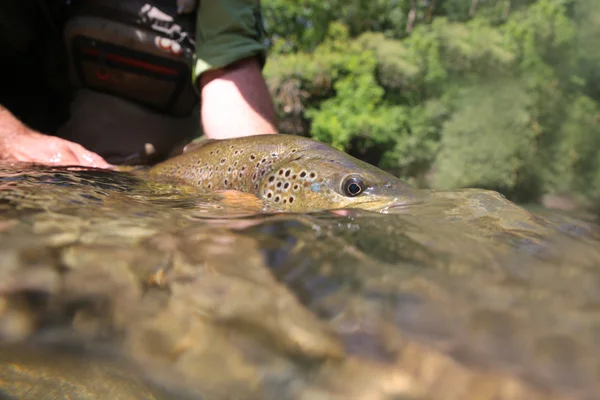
(280, 172)
(278, 184)
(210, 185)
(212, 152)
(276, 199)
(242, 151)
(269, 163)
(229, 169)
(262, 173)
(284, 201)
(199, 182)
(252, 157)
(302, 174)
(218, 151)
(287, 173)
(273, 154)
(236, 152)
(264, 160)
(210, 175)
(243, 167)
(269, 195)
(294, 176)
(291, 199)
(222, 161)
(271, 178)
(254, 176)
(293, 151)
(312, 174)
(235, 164)
(226, 181)
(231, 147)
(295, 187)
(287, 185)
(257, 164)
(240, 174)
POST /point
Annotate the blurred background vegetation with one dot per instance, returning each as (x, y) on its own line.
(497, 94)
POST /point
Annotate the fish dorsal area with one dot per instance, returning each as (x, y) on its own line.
(239, 164)
(235, 169)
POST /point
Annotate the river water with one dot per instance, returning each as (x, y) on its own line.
(114, 287)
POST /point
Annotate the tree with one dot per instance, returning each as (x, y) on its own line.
(500, 94)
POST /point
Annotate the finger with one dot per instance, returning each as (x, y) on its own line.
(94, 160)
(87, 158)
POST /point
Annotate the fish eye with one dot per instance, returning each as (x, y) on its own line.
(353, 187)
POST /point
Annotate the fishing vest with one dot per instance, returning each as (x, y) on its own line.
(139, 50)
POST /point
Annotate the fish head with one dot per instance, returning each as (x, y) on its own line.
(316, 181)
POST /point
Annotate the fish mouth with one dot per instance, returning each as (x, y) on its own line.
(396, 205)
(380, 206)
(396, 208)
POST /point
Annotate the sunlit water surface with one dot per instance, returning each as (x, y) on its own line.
(115, 287)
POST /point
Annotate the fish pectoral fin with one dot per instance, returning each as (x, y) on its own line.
(194, 145)
(237, 198)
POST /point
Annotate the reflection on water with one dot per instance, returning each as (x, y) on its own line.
(115, 287)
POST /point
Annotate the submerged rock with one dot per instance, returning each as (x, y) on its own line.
(113, 288)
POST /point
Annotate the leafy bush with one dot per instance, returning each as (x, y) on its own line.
(497, 94)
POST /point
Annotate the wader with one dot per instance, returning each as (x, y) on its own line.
(118, 76)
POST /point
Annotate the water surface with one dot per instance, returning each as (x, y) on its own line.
(114, 287)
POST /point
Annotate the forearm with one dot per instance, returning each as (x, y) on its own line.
(236, 101)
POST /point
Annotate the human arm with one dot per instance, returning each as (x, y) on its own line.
(235, 100)
(20, 143)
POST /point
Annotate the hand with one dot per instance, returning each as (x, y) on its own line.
(19, 143)
(35, 147)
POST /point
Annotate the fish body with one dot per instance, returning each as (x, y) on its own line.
(289, 173)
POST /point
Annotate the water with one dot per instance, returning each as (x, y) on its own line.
(113, 287)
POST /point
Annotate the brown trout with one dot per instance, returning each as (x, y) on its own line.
(288, 173)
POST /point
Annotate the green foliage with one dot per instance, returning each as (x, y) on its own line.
(416, 140)
(502, 94)
(488, 140)
(356, 107)
(297, 25)
(576, 155)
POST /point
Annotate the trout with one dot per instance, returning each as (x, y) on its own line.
(288, 173)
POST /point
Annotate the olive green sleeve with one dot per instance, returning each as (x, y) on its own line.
(228, 31)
